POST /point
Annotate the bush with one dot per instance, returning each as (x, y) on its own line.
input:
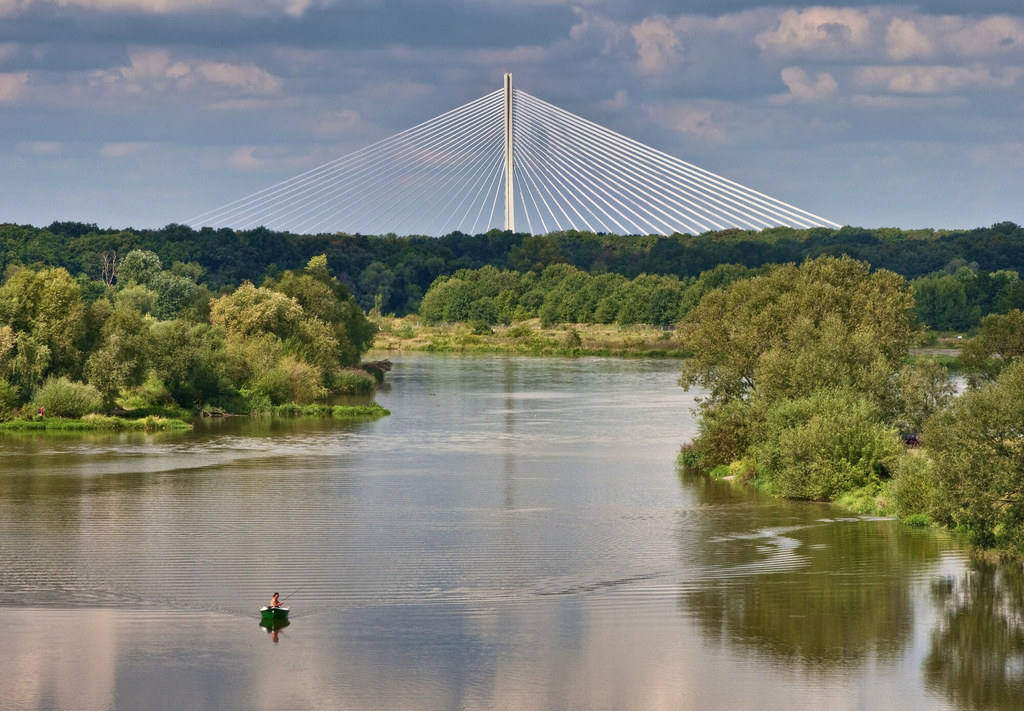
(912, 490)
(725, 432)
(353, 381)
(689, 456)
(152, 392)
(823, 445)
(62, 398)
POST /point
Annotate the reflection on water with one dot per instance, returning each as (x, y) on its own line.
(514, 536)
(977, 647)
(274, 628)
(797, 584)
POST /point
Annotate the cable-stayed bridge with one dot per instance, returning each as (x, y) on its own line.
(507, 160)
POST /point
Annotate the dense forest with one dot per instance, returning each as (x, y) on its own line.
(959, 276)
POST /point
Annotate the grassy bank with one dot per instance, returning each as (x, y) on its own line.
(527, 338)
(153, 423)
(342, 412)
(94, 423)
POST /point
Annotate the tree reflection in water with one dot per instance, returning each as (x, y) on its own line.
(977, 650)
(802, 587)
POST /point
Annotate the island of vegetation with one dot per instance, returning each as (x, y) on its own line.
(798, 340)
(152, 347)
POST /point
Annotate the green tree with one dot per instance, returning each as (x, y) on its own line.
(139, 266)
(829, 323)
(122, 359)
(291, 337)
(174, 294)
(8, 341)
(534, 253)
(999, 342)
(326, 299)
(252, 310)
(30, 364)
(978, 453)
(943, 304)
(137, 298)
(375, 285)
(191, 361)
(46, 304)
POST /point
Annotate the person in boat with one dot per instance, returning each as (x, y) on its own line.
(275, 601)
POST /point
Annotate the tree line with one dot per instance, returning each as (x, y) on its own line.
(392, 274)
(561, 293)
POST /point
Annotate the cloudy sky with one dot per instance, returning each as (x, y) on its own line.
(145, 112)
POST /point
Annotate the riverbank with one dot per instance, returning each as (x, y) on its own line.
(338, 412)
(153, 423)
(527, 338)
(94, 423)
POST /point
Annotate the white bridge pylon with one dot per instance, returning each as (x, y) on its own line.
(507, 160)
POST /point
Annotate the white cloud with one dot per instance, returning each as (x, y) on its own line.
(988, 36)
(245, 159)
(889, 102)
(153, 70)
(246, 77)
(705, 122)
(922, 79)
(921, 36)
(1006, 153)
(657, 44)
(905, 40)
(599, 29)
(12, 85)
(339, 123)
(123, 150)
(821, 30)
(295, 8)
(803, 88)
(617, 102)
(40, 148)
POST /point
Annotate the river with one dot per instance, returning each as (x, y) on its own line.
(514, 536)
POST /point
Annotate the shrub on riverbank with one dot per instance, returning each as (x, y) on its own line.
(823, 445)
(59, 397)
(355, 381)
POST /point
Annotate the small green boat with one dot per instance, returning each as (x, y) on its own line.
(274, 613)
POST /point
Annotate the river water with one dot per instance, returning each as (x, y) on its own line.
(514, 536)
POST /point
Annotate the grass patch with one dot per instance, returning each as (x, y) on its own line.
(919, 520)
(371, 411)
(94, 423)
(530, 338)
